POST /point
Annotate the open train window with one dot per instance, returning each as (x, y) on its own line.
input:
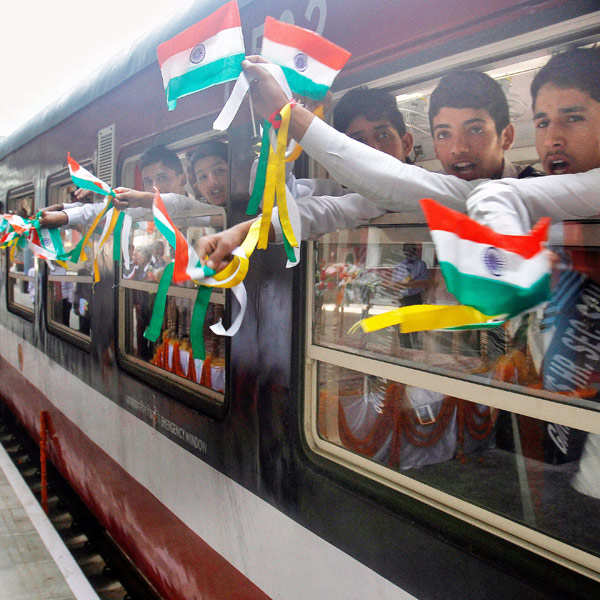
(69, 287)
(193, 179)
(21, 270)
(500, 427)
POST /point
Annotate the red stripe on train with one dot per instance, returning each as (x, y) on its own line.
(176, 560)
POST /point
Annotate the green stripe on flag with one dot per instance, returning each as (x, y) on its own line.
(218, 71)
(302, 85)
(197, 324)
(494, 297)
(86, 184)
(158, 310)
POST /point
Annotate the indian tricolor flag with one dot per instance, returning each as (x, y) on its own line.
(205, 54)
(84, 179)
(494, 273)
(187, 264)
(310, 62)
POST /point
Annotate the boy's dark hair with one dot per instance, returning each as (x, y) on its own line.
(470, 89)
(578, 68)
(374, 105)
(163, 155)
(210, 148)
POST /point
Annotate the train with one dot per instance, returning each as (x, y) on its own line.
(240, 475)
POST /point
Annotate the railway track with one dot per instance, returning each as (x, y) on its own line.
(108, 569)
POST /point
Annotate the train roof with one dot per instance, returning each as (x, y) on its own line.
(120, 68)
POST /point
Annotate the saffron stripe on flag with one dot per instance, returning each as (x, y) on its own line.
(221, 45)
(309, 42)
(226, 17)
(441, 218)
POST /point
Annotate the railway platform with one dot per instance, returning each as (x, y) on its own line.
(34, 562)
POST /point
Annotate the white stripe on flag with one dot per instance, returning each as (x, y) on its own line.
(225, 43)
(284, 55)
(468, 258)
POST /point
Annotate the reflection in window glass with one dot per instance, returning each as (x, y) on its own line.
(21, 280)
(370, 271)
(70, 303)
(69, 287)
(172, 352)
(507, 463)
(21, 288)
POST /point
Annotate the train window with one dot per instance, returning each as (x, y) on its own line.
(20, 285)
(500, 426)
(69, 288)
(196, 199)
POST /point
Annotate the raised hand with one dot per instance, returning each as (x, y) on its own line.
(126, 197)
(215, 250)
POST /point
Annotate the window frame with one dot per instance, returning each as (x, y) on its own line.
(82, 341)
(21, 191)
(515, 402)
(343, 463)
(210, 402)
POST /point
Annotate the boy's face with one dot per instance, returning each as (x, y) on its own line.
(467, 144)
(164, 178)
(212, 175)
(567, 130)
(381, 135)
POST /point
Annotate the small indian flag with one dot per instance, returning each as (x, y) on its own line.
(494, 273)
(310, 62)
(205, 54)
(187, 264)
(84, 179)
(46, 243)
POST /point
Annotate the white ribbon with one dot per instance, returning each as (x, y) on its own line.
(126, 229)
(239, 291)
(294, 216)
(240, 89)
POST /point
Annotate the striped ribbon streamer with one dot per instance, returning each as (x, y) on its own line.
(185, 261)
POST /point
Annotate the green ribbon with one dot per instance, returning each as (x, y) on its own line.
(117, 237)
(197, 324)
(289, 249)
(258, 189)
(158, 310)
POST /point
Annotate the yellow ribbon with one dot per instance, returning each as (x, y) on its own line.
(107, 234)
(424, 317)
(275, 186)
(237, 269)
(89, 233)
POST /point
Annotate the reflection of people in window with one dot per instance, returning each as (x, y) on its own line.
(81, 303)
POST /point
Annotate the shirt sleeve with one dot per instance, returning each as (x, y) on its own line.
(324, 214)
(84, 214)
(513, 206)
(389, 183)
